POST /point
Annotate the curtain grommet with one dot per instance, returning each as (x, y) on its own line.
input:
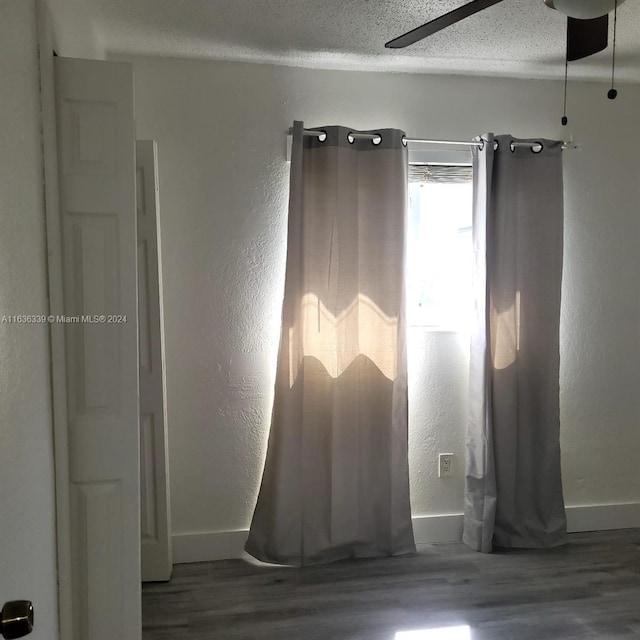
(376, 140)
(404, 141)
(350, 138)
(537, 147)
(322, 137)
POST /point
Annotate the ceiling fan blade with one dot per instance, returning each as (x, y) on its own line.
(440, 23)
(586, 37)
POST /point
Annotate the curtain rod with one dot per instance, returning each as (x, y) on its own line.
(567, 144)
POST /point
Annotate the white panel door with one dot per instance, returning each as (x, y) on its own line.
(94, 104)
(154, 469)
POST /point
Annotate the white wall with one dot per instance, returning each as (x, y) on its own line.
(220, 129)
(27, 525)
(27, 522)
(74, 30)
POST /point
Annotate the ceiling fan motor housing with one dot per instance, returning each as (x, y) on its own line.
(584, 9)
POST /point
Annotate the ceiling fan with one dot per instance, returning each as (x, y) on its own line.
(587, 24)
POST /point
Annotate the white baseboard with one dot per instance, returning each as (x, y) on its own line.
(603, 517)
(222, 545)
(208, 545)
(442, 528)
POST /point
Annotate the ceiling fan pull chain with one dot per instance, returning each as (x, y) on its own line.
(565, 120)
(612, 93)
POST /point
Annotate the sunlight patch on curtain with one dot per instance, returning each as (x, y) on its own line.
(505, 334)
(336, 341)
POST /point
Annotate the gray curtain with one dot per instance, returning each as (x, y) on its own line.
(336, 482)
(513, 483)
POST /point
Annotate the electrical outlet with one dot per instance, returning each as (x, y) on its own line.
(445, 465)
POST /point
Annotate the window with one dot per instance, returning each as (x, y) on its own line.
(440, 251)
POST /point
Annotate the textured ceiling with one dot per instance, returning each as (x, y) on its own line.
(520, 38)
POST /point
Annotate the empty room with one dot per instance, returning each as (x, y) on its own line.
(319, 320)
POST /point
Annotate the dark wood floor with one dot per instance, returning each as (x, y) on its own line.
(588, 589)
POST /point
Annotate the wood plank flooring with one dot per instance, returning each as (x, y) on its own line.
(587, 589)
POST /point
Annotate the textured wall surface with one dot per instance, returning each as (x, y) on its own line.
(220, 129)
(27, 524)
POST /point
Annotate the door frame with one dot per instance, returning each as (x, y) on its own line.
(47, 46)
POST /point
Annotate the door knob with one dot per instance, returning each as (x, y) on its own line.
(16, 619)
